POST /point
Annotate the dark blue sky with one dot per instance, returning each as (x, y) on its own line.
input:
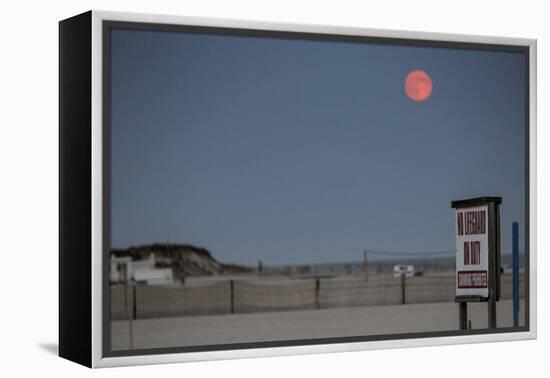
(297, 151)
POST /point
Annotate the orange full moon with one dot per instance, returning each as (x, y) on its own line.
(418, 85)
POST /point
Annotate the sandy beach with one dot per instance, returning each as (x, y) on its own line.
(303, 324)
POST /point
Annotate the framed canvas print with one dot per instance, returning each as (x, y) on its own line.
(232, 189)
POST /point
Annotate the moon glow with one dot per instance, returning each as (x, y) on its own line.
(418, 85)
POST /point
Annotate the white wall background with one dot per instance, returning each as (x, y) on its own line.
(28, 185)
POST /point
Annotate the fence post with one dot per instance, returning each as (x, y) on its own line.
(403, 298)
(126, 297)
(366, 265)
(134, 301)
(131, 313)
(317, 290)
(232, 295)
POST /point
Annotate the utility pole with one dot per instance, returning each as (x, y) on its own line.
(515, 272)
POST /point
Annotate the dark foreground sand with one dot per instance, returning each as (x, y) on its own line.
(306, 324)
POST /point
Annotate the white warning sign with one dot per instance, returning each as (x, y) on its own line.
(472, 245)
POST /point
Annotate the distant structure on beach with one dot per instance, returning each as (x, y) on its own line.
(152, 261)
(403, 270)
(124, 269)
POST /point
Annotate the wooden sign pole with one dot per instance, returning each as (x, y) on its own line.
(463, 315)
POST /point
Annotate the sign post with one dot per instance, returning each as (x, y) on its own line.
(477, 231)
